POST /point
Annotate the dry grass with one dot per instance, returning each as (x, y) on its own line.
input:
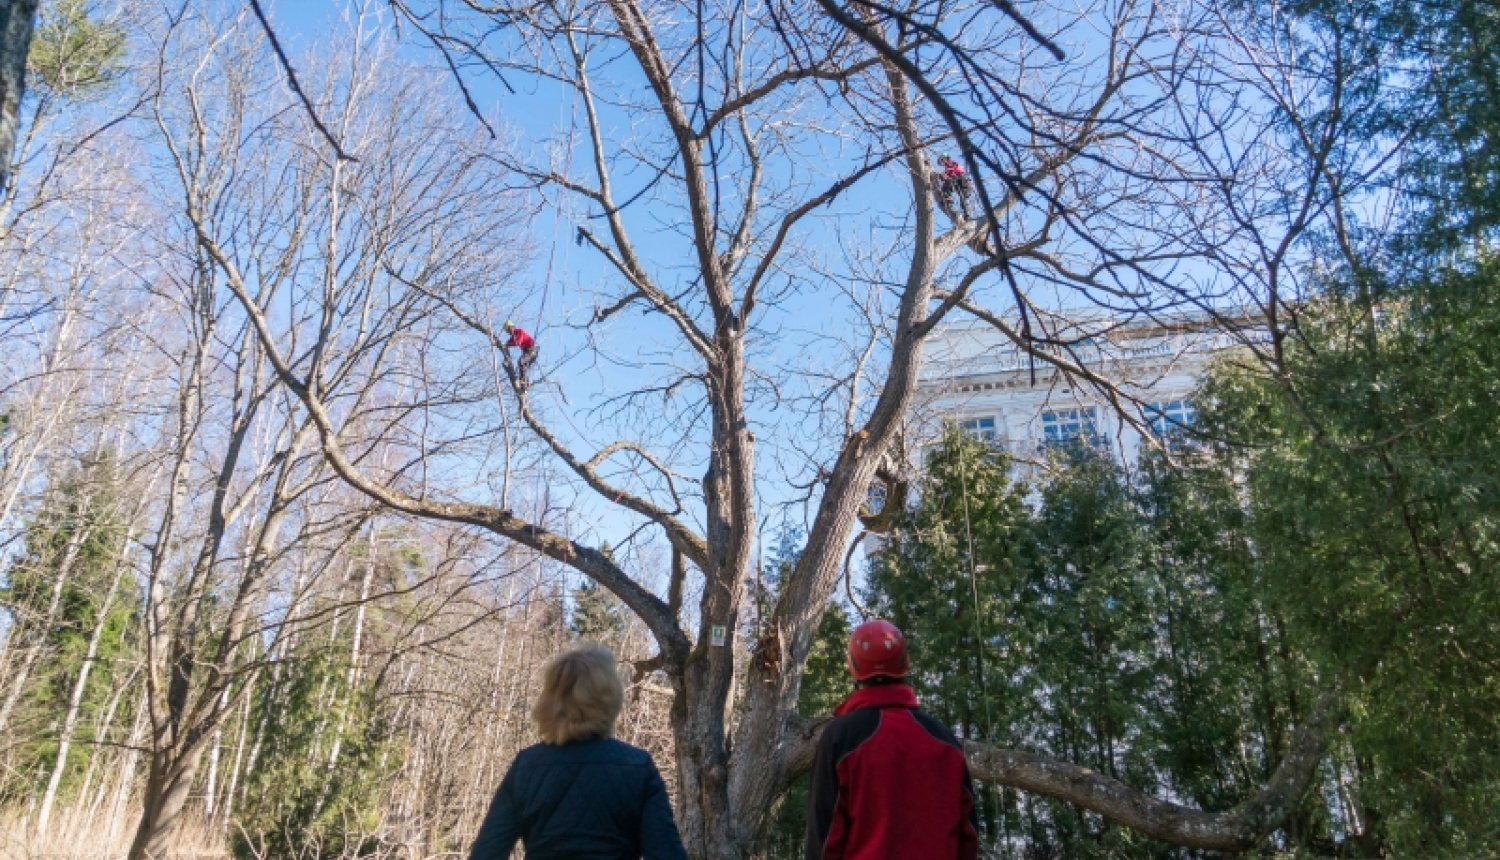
(75, 835)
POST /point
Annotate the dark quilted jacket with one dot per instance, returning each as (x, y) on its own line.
(587, 800)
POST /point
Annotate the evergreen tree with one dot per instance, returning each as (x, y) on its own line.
(1089, 609)
(299, 795)
(1374, 500)
(1428, 75)
(598, 615)
(952, 577)
(825, 683)
(74, 52)
(64, 590)
(1228, 684)
(329, 737)
(1120, 627)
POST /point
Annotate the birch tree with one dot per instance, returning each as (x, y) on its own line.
(260, 210)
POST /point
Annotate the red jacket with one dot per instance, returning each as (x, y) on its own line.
(520, 339)
(953, 170)
(890, 783)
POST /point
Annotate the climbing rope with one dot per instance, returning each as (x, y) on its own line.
(984, 686)
(963, 475)
(541, 312)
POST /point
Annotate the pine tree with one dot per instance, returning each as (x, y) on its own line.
(598, 615)
(952, 573)
(73, 52)
(952, 577)
(1372, 503)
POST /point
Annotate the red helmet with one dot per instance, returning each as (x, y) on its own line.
(877, 648)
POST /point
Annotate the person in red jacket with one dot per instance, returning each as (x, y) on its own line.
(889, 782)
(953, 184)
(519, 339)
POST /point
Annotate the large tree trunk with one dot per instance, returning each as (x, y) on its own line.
(704, 808)
(767, 754)
(17, 19)
(167, 789)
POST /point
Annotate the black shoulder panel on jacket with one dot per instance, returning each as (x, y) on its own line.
(840, 739)
(846, 733)
(937, 729)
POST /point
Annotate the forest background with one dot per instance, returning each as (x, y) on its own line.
(214, 641)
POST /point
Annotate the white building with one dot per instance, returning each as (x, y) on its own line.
(974, 376)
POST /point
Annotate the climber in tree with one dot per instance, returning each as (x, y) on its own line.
(953, 185)
(519, 339)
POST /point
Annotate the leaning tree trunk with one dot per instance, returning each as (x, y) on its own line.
(17, 19)
(167, 788)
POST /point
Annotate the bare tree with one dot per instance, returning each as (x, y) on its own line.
(731, 138)
(261, 211)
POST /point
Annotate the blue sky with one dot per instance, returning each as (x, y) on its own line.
(534, 115)
(799, 333)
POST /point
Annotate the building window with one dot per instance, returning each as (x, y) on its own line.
(1168, 416)
(1062, 427)
(982, 429)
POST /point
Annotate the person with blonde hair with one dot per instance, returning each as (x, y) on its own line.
(580, 794)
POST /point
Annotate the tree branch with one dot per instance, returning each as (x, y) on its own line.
(586, 560)
(291, 79)
(682, 538)
(1234, 831)
(771, 84)
(791, 218)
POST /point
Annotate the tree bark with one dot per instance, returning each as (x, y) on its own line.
(17, 20)
(167, 788)
(765, 742)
